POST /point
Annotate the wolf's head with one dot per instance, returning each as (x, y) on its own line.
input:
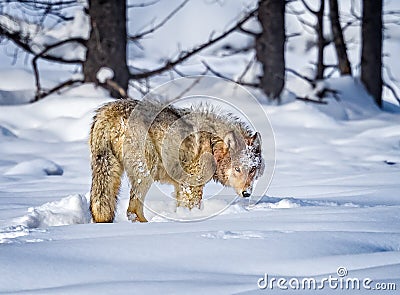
(238, 161)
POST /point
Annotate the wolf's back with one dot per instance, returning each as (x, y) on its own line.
(107, 129)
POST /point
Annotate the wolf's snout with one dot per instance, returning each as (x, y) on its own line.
(245, 194)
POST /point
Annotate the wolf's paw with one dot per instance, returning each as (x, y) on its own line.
(135, 218)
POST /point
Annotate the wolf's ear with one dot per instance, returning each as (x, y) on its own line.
(230, 140)
(255, 141)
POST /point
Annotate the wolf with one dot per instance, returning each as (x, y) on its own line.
(185, 147)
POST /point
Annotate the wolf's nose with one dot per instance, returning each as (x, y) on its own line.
(245, 194)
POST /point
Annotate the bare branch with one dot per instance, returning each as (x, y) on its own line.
(306, 99)
(179, 72)
(248, 32)
(309, 80)
(246, 69)
(229, 51)
(43, 53)
(17, 38)
(308, 26)
(39, 93)
(160, 24)
(333, 70)
(306, 23)
(308, 7)
(141, 5)
(393, 80)
(390, 74)
(219, 75)
(392, 12)
(350, 24)
(321, 93)
(292, 35)
(23, 42)
(169, 64)
(42, 95)
(43, 9)
(353, 11)
(293, 11)
(215, 73)
(392, 90)
(190, 87)
(39, 4)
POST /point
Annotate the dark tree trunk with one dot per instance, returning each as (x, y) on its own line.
(340, 45)
(106, 46)
(321, 42)
(371, 52)
(270, 46)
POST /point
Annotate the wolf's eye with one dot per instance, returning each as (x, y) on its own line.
(237, 169)
(253, 169)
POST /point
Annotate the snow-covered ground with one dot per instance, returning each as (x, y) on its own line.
(333, 203)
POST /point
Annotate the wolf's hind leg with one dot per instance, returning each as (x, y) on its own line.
(140, 187)
(106, 180)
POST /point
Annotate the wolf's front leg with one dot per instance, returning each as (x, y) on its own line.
(188, 196)
(138, 193)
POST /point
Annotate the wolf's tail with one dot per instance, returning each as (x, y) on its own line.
(106, 171)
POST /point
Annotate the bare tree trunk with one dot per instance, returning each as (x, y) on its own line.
(321, 42)
(340, 45)
(270, 46)
(106, 46)
(371, 52)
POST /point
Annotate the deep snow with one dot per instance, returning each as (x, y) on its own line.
(333, 202)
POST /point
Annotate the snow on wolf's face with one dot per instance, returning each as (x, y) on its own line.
(240, 162)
